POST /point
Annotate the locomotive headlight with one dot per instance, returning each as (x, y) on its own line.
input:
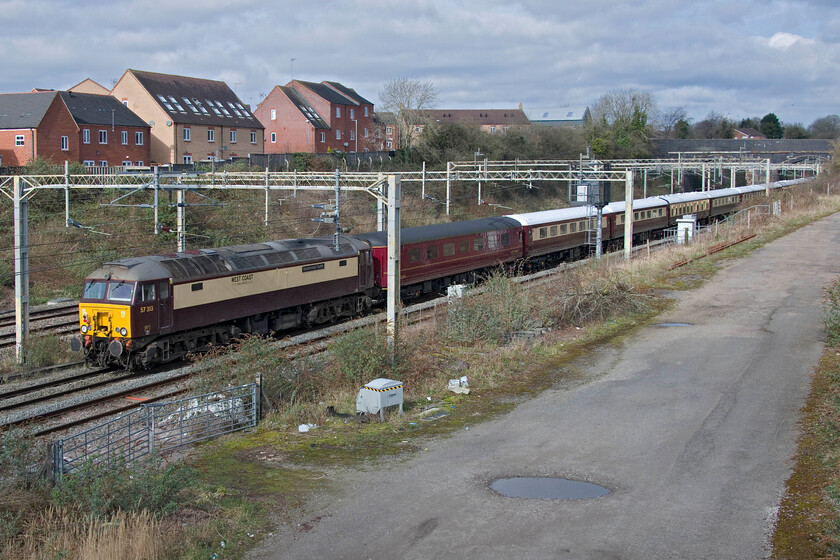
(84, 329)
(123, 331)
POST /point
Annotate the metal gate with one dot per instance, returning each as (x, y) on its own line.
(159, 428)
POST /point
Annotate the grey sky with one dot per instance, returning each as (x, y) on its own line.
(740, 59)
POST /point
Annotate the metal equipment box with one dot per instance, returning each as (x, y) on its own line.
(379, 394)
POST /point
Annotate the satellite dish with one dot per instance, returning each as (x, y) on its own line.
(151, 123)
(168, 123)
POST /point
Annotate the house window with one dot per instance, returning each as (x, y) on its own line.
(338, 112)
(124, 137)
(273, 137)
(65, 143)
(86, 136)
(352, 135)
(138, 138)
(186, 134)
(103, 136)
(274, 114)
(253, 137)
(233, 137)
(103, 163)
(366, 112)
(187, 160)
(211, 135)
(389, 144)
(492, 130)
(366, 133)
(338, 135)
(352, 114)
(138, 163)
(323, 137)
(126, 163)
(89, 163)
(389, 130)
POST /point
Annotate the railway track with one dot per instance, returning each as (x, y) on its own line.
(53, 319)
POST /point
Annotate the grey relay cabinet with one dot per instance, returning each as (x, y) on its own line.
(379, 394)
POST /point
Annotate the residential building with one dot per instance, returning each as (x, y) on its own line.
(36, 125)
(191, 119)
(109, 132)
(89, 86)
(492, 121)
(566, 115)
(387, 131)
(316, 117)
(291, 123)
(748, 134)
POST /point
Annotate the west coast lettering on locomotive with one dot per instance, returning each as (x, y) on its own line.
(241, 279)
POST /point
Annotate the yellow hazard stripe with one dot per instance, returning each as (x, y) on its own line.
(383, 390)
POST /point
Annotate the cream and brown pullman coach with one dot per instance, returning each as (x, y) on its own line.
(147, 310)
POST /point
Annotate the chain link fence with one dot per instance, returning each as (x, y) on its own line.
(158, 428)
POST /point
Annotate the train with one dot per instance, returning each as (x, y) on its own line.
(141, 312)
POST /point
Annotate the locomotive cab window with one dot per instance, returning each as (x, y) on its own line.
(120, 291)
(164, 290)
(94, 290)
(147, 292)
(342, 262)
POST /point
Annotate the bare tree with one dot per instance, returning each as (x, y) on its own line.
(408, 99)
(826, 127)
(668, 118)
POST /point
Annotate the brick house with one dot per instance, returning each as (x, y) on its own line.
(387, 132)
(316, 117)
(89, 86)
(191, 119)
(493, 121)
(36, 125)
(291, 123)
(747, 134)
(109, 133)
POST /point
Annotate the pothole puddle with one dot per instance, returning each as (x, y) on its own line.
(545, 488)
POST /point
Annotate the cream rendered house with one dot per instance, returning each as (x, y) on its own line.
(191, 119)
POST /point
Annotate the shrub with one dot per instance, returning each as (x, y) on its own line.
(21, 458)
(504, 307)
(579, 298)
(363, 354)
(831, 310)
(101, 491)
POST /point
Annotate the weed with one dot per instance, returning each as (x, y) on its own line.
(831, 307)
(101, 491)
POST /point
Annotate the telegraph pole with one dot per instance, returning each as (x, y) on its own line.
(393, 282)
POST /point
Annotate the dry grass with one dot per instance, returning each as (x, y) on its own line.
(58, 533)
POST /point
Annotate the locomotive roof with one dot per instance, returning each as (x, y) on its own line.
(204, 263)
(441, 231)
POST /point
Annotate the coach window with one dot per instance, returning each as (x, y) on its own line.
(505, 239)
(464, 246)
(448, 249)
(414, 255)
(342, 262)
(147, 292)
(572, 227)
(552, 231)
(432, 252)
(648, 213)
(543, 232)
(478, 244)
(491, 241)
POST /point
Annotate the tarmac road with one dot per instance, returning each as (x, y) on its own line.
(692, 428)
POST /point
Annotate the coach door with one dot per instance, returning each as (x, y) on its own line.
(165, 306)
